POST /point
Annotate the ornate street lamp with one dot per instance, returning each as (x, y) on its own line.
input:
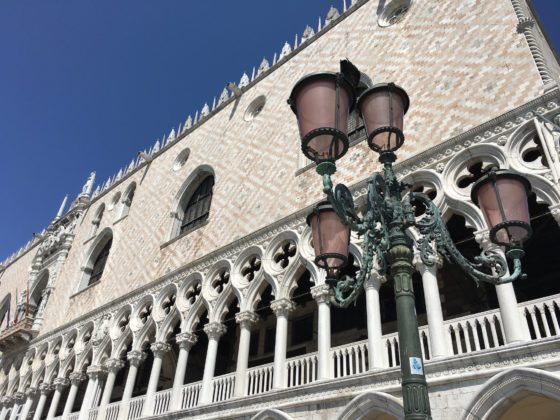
(501, 195)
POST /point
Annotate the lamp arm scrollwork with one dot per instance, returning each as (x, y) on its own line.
(433, 230)
(373, 226)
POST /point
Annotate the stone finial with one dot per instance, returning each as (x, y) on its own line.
(214, 104)
(319, 25)
(244, 81)
(295, 43)
(253, 74)
(274, 59)
(307, 34)
(332, 15)
(188, 123)
(195, 117)
(285, 51)
(172, 135)
(263, 67)
(205, 111)
(61, 208)
(223, 97)
(86, 189)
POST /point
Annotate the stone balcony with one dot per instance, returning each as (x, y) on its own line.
(16, 335)
(477, 352)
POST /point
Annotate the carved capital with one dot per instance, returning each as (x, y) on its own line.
(282, 307)
(186, 340)
(45, 388)
(135, 357)
(483, 239)
(96, 372)
(77, 377)
(60, 383)
(18, 397)
(159, 348)
(246, 319)
(419, 264)
(321, 293)
(214, 330)
(114, 365)
(31, 392)
(555, 211)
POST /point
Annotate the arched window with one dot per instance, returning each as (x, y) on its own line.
(197, 208)
(99, 264)
(4, 305)
(96, 259)
(96, 220)
(127, 201)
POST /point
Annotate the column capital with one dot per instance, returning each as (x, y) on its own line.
(18, 397)
(114, 365)
(282, 306)
(419, 264)
(6, 401)
(135, 357)
(186, 340)
(60, 383)
(483, 239)
(45, 388)
(214, 330)
(246, 319)
(77, 377)
(31, 392)
(321, 293)
(159, 348)
(96, 372)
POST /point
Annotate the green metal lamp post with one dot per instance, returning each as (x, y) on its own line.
(322, 102)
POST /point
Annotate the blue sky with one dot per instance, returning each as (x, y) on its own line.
(86, 84)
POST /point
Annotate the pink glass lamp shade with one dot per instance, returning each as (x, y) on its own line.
(502, 197)
(330, 238)
(383, 107)
(322, 103)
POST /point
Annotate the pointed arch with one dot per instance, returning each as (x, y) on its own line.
(126, 201)
(505, 389)
(96, 259)
(96, 221)
(4, 307)
(372, 404)
(191, 206)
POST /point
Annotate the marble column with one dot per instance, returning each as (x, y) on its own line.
(246, 320)
(4, 402)
(59, 385)
(18, 399)
(214, 330)
(44, 390)
(113, 366)
(75, 379)
(438, 336)
(321, 294)
(96, 375)
(377, 359)
(185, 341)
(514, 326)
(31, 394)
(135, 358)
(282, 308)
(159, 349)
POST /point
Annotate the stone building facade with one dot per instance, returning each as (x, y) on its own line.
(184, 286)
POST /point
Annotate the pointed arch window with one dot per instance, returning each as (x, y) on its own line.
(99, 264)
(198, 207)
(126, 202)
